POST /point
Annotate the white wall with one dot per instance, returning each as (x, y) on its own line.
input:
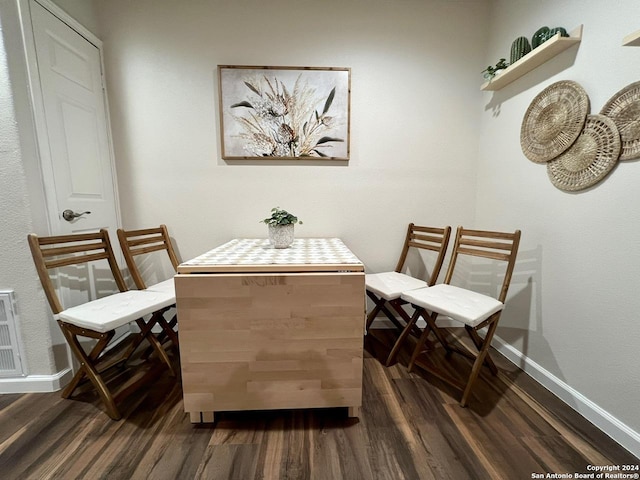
(575, 304)
(18, 204)
(414, 128)
(411, 145)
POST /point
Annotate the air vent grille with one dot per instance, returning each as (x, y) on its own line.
(10, 363)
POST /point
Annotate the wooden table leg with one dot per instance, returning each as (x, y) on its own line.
(353, 412)
(201, 417)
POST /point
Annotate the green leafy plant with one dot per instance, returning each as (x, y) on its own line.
(281, 217)
(491, 71)
(281, 122)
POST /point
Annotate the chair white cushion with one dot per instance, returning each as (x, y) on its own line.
(168, 286)
(111, 312)
(390, 285)
(466, 306)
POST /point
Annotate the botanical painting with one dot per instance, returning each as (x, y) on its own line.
(284, 112)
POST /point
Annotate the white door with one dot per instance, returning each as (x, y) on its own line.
(73, 136)
(74, 143)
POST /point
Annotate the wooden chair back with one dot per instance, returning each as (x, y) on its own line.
(426, 238)
(143, 241)
(74, 249)
(501, 246)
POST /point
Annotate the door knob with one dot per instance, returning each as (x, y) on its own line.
(70, 215)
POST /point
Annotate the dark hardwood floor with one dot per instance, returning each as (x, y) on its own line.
(410, 427)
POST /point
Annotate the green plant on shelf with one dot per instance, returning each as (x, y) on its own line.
(491, 71)
(281, 217)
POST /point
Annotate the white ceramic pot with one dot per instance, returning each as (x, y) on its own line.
(281, 236)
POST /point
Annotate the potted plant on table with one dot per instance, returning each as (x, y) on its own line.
(281, 225)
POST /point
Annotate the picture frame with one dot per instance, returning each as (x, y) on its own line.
(284, 113)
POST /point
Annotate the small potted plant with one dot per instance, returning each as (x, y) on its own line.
(281, 224)
(491, 71)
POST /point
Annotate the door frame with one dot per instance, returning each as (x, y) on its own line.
(42, 153)
(37, 106)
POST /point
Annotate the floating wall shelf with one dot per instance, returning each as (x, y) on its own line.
(549, 49)
(632, 40)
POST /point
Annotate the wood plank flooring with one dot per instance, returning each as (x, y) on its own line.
(410, 427)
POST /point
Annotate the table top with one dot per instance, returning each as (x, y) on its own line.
(258, 255)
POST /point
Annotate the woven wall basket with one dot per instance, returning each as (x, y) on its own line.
(553, 121)
(590, 158)
(624, 109)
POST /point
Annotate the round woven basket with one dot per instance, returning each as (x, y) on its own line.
(553, 121)
(590, 158)
(624, 109)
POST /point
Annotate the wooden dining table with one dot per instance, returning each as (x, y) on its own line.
(264, 328)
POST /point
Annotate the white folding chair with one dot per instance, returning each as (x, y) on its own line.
(469, 308)
(146, 241)
(99, 318)
(386, 288)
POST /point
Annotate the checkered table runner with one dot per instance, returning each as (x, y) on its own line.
(303, 251)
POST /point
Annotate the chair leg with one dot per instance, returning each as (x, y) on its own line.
(477, 365)
(145, 333)
(431, 326)
(87, 367)
(397, 306)
(410, 327)
(151, 338)
(381, 306)
(478, 342)
(421, 341)
(97, 349)
(372, 316)
(405, 333)
(168, 331)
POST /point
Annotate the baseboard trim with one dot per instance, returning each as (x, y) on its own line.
(617, 430)
(47, 383)
(36, 383)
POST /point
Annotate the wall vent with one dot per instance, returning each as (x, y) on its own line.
(10, 360)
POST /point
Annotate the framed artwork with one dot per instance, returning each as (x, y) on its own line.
(290, 113)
